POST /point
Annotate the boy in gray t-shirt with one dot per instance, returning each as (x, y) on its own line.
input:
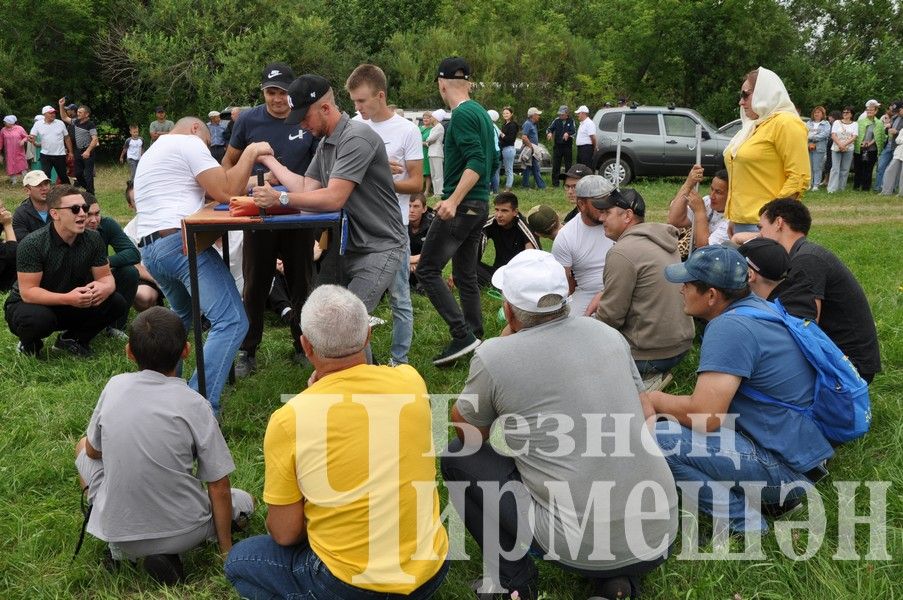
(151, 444)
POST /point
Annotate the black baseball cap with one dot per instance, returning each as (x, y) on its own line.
(159, 109)
(578, 171)
(449, 68)
(766, 257)
(303, 93)
(624, 198)
(277, 75)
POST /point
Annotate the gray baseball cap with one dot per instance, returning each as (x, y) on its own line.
(594, 186)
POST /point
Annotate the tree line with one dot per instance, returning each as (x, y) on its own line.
(123, 57)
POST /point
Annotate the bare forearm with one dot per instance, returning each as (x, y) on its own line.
(221, 506)
(469, 178)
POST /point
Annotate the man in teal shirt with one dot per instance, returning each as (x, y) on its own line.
(470, 161)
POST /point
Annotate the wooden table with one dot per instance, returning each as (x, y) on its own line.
(202, 228)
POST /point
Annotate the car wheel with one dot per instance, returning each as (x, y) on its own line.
(607, 170)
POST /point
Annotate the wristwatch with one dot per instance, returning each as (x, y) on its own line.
(283, 198)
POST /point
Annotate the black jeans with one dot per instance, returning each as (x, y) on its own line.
(863, 165)
(31, 323)
(458, 240)
(561, 153)
(489, 466)
(50, 162)
(260, 251)
(84, 171)
(585, 155)
(126, 286)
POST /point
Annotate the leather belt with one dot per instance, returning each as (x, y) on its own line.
(149, 239)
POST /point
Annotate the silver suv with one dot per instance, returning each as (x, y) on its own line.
(658, 141)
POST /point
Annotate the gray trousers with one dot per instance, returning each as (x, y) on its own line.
(893, 178)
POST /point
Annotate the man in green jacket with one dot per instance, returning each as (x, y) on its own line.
(869, 142)
(470, 161)
(122, 262)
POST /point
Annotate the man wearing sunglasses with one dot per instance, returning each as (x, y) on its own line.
(64, 282)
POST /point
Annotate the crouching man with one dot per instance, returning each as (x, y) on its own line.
(586, 486)
(353, 511)
(152, 443)
(750, 441)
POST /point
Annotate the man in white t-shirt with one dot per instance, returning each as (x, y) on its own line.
(704, 214)
(172, 179)
(367, 87)
(586, 137)
(52, 136)
(581, 246)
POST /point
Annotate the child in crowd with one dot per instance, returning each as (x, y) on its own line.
(151, 444)
(132, 150)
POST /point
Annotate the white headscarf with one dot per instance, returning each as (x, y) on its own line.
(768, 98)
(10, 119)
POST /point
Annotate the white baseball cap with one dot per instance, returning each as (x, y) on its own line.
(582, 109)
(212, 113)
(47, 109)
(35, 178)
(533, 111)
(530, 276)
(493, 114)
(871, 103)
(440, 115)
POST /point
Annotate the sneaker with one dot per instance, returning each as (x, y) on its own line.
(164, 568)
(657, 381)
(376, 321)
(780, 510)
(116, 333)
(287, 315)
(32, 349)
(72, 346)
(245, 364)
(456, 349)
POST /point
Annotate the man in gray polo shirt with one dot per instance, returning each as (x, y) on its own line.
(581, 469)
(350, 170)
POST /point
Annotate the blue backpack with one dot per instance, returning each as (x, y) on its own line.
(841, 408)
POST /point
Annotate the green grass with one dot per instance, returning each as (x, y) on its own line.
(45, 407)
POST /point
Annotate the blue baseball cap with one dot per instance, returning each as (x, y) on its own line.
(718, 266)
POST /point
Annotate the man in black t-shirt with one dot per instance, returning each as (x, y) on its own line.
(510, 234)
(420, 217)
(84, 138)
(820, 287)
(294, 147)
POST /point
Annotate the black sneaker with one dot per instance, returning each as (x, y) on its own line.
(456, 349)
(245, 364)
(776, 511)
(30, 349)
(164, 568)
(71, 346)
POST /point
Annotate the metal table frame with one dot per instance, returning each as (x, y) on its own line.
(336, 221)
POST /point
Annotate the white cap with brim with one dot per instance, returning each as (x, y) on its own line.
(529, 277)
(212, 113)
(36, 177)
(47, 109)
(440, 115)
(582, 109)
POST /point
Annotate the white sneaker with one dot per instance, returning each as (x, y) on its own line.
(657, 381)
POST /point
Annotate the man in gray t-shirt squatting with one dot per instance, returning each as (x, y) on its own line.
(602, 498)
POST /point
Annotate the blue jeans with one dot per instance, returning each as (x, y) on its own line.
(220, 303)
(816, 165)
(694, 457)
(534, 170)
(402, 309)
(458, 240)
(661, 365)
(508, 153)
(261, 569)
(883, 160)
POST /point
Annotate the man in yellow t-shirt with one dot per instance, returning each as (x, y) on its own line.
(350, 478)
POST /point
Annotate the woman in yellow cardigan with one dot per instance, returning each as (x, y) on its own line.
(769, 157)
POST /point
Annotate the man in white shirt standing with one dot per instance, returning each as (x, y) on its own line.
(368, 88)
(171, 181)
(586, 137)
(581, 245)
(54, 143)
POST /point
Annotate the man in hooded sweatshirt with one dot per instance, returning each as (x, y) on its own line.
(636, 299)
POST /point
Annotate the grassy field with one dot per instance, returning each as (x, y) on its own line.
(45, 407)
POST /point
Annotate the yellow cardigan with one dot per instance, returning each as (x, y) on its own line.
(772, 163)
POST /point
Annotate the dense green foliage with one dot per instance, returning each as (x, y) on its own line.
(123, 57)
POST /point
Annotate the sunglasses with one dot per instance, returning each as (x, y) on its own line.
(76, 208)
(744, 94)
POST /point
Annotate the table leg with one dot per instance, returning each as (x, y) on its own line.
(196, 311)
